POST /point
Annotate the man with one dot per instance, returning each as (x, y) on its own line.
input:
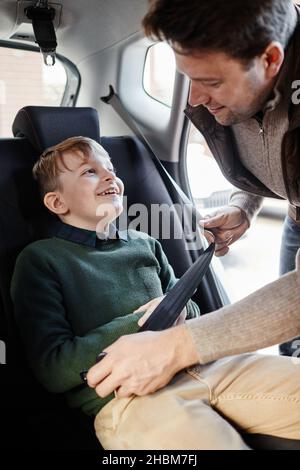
(242, 59)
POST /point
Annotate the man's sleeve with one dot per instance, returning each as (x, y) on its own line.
(168, 279)
(55, 354)
(268, 316)
(249, 203)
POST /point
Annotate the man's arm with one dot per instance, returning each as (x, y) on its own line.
(249, 203)
(266, 317)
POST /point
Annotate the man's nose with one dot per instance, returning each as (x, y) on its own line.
(197, 95)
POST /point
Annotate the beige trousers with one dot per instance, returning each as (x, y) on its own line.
(204, 407)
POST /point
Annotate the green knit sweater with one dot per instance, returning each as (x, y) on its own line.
(72, 300)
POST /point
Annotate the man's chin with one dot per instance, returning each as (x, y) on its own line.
(229, 119)
(222, 121)
(221, 116)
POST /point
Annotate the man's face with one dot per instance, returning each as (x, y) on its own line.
(90, 189)
(222, 84)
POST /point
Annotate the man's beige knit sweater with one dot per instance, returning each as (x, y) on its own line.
(269, 316)
(259, 142)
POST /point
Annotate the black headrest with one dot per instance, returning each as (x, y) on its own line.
(45, 126)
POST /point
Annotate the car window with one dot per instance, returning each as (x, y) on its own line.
(208, 186)
(25, 80)
(159, 73)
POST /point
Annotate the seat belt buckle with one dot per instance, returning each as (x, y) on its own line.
(294, 213)
(83, 373)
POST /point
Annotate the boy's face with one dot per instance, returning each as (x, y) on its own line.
(90, 191)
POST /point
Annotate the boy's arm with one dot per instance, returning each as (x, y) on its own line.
(56, 355)
(168, 280)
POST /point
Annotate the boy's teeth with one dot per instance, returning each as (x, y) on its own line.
(109, 191)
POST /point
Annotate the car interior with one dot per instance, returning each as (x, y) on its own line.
(101, 45)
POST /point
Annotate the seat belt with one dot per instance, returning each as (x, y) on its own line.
(169, 309)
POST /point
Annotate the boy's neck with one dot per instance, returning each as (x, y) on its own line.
(98, 227)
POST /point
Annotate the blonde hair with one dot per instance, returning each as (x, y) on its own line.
(46, 170)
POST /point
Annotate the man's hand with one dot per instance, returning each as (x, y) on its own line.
(142, 363)
(227, 224)
(149, 308)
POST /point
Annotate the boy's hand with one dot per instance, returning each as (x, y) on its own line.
(150, 306)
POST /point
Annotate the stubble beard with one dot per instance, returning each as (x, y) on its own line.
(257, 100)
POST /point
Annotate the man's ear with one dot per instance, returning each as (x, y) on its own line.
(273, 58)
(55, 203)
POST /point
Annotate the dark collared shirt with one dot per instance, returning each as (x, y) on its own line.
(89, 237)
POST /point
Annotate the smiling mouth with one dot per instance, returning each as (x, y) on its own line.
(215, 110)
(108, 192)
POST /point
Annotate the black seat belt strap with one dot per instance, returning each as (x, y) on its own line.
(169, 309)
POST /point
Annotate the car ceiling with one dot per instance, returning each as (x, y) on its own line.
(84, 27)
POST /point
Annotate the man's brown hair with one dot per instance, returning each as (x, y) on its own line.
(241, 28)
(46, 170)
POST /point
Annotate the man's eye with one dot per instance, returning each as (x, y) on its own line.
(113, 170)
(90, 171)
(215, 85)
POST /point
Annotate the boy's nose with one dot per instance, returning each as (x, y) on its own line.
(109, 175)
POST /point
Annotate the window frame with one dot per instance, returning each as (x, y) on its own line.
(143, 83)
(73, 82)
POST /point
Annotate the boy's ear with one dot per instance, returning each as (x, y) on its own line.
(55, 203)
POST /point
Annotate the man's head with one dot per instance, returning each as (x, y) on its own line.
(78, 183)
(231, 51)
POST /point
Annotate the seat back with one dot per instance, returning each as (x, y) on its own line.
(19, 210)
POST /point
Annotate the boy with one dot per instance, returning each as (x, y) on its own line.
(75, 293)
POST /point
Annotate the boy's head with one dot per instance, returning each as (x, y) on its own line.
(79, 184)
